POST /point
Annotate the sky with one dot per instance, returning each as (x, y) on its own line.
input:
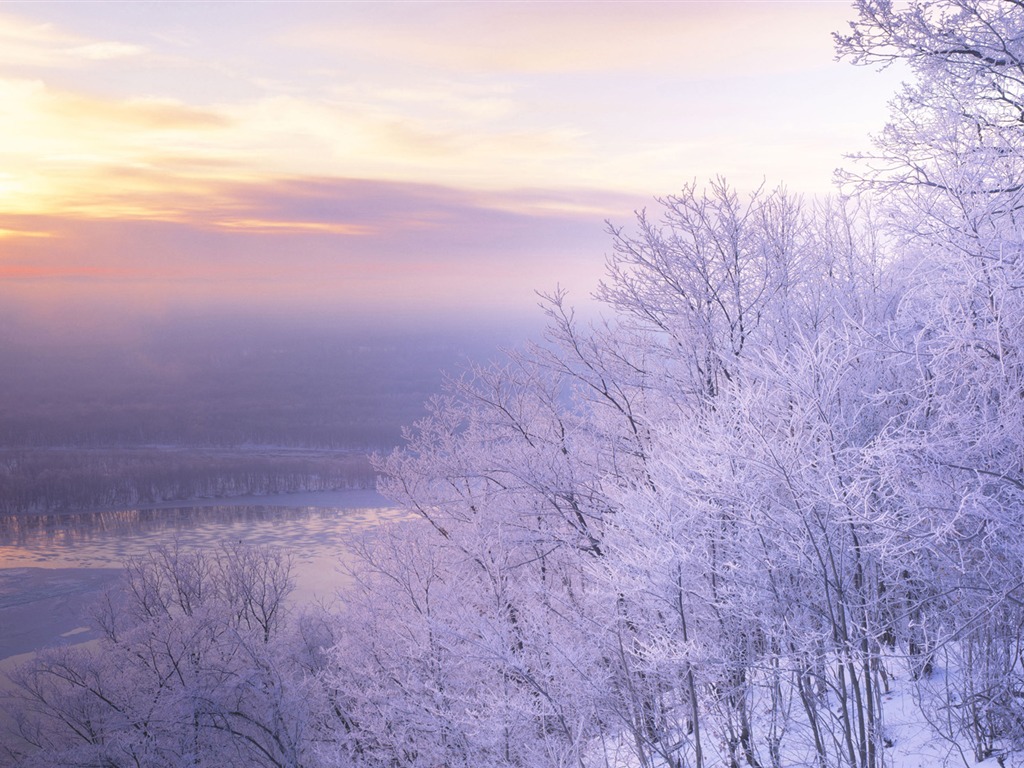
(386, 159)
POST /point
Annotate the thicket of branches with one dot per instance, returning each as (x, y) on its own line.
(787, 468)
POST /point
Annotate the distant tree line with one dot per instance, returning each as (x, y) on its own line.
(57, 480)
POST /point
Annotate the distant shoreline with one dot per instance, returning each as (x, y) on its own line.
(340, 498)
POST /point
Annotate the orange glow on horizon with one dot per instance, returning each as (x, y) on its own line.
(12, 233)
(270, 227)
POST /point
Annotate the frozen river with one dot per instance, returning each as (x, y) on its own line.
(53, 566)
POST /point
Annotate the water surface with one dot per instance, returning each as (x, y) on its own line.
(53, 566)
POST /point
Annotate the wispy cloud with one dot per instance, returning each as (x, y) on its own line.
(11, 233)
(322, 242)
(26, 43)
(107, 50)
(277, 227)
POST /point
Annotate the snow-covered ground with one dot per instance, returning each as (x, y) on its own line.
(915, 737)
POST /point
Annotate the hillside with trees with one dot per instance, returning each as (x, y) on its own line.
(783, 480)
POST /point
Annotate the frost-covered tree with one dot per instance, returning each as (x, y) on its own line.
(953, 186)
(950, 170)
(604, 493)
(195, 666)
(749, 525)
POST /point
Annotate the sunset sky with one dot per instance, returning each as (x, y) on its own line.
(394, 158)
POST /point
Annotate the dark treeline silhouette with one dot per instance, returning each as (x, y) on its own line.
(55, 480)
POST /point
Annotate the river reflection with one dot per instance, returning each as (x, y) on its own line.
(106, 538)
(317, 534)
